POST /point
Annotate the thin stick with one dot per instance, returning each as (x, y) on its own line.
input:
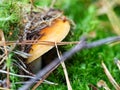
(64, 69)
(53, 65)
(111, 79)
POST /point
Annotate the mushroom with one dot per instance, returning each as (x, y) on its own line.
(56, 32)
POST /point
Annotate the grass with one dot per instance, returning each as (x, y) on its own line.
(84, 68)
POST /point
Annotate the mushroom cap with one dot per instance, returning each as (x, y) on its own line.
(56, 32)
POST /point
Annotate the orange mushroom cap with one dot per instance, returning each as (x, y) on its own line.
(54, 33)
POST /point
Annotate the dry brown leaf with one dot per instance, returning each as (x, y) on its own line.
(103, 84)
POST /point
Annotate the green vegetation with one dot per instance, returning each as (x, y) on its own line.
(84, 68)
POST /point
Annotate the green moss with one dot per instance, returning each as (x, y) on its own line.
(10, 18)
(84, 67)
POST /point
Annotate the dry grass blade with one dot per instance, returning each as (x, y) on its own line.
(52, 3)
(112, 3)
(3, 57)
(45, 81)
(25, 76)
(2, 38)
(111, 79)
(117, 63)
(118, 1)
(25, 70)
(114, 20)
(22, 76)
(64, 69)
(103, 84)
(1, 88)
(21, 53)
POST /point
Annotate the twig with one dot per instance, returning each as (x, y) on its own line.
(53, 65)
(103, 41)
(111, 79)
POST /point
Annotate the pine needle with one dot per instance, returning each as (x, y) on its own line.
(111, 79)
